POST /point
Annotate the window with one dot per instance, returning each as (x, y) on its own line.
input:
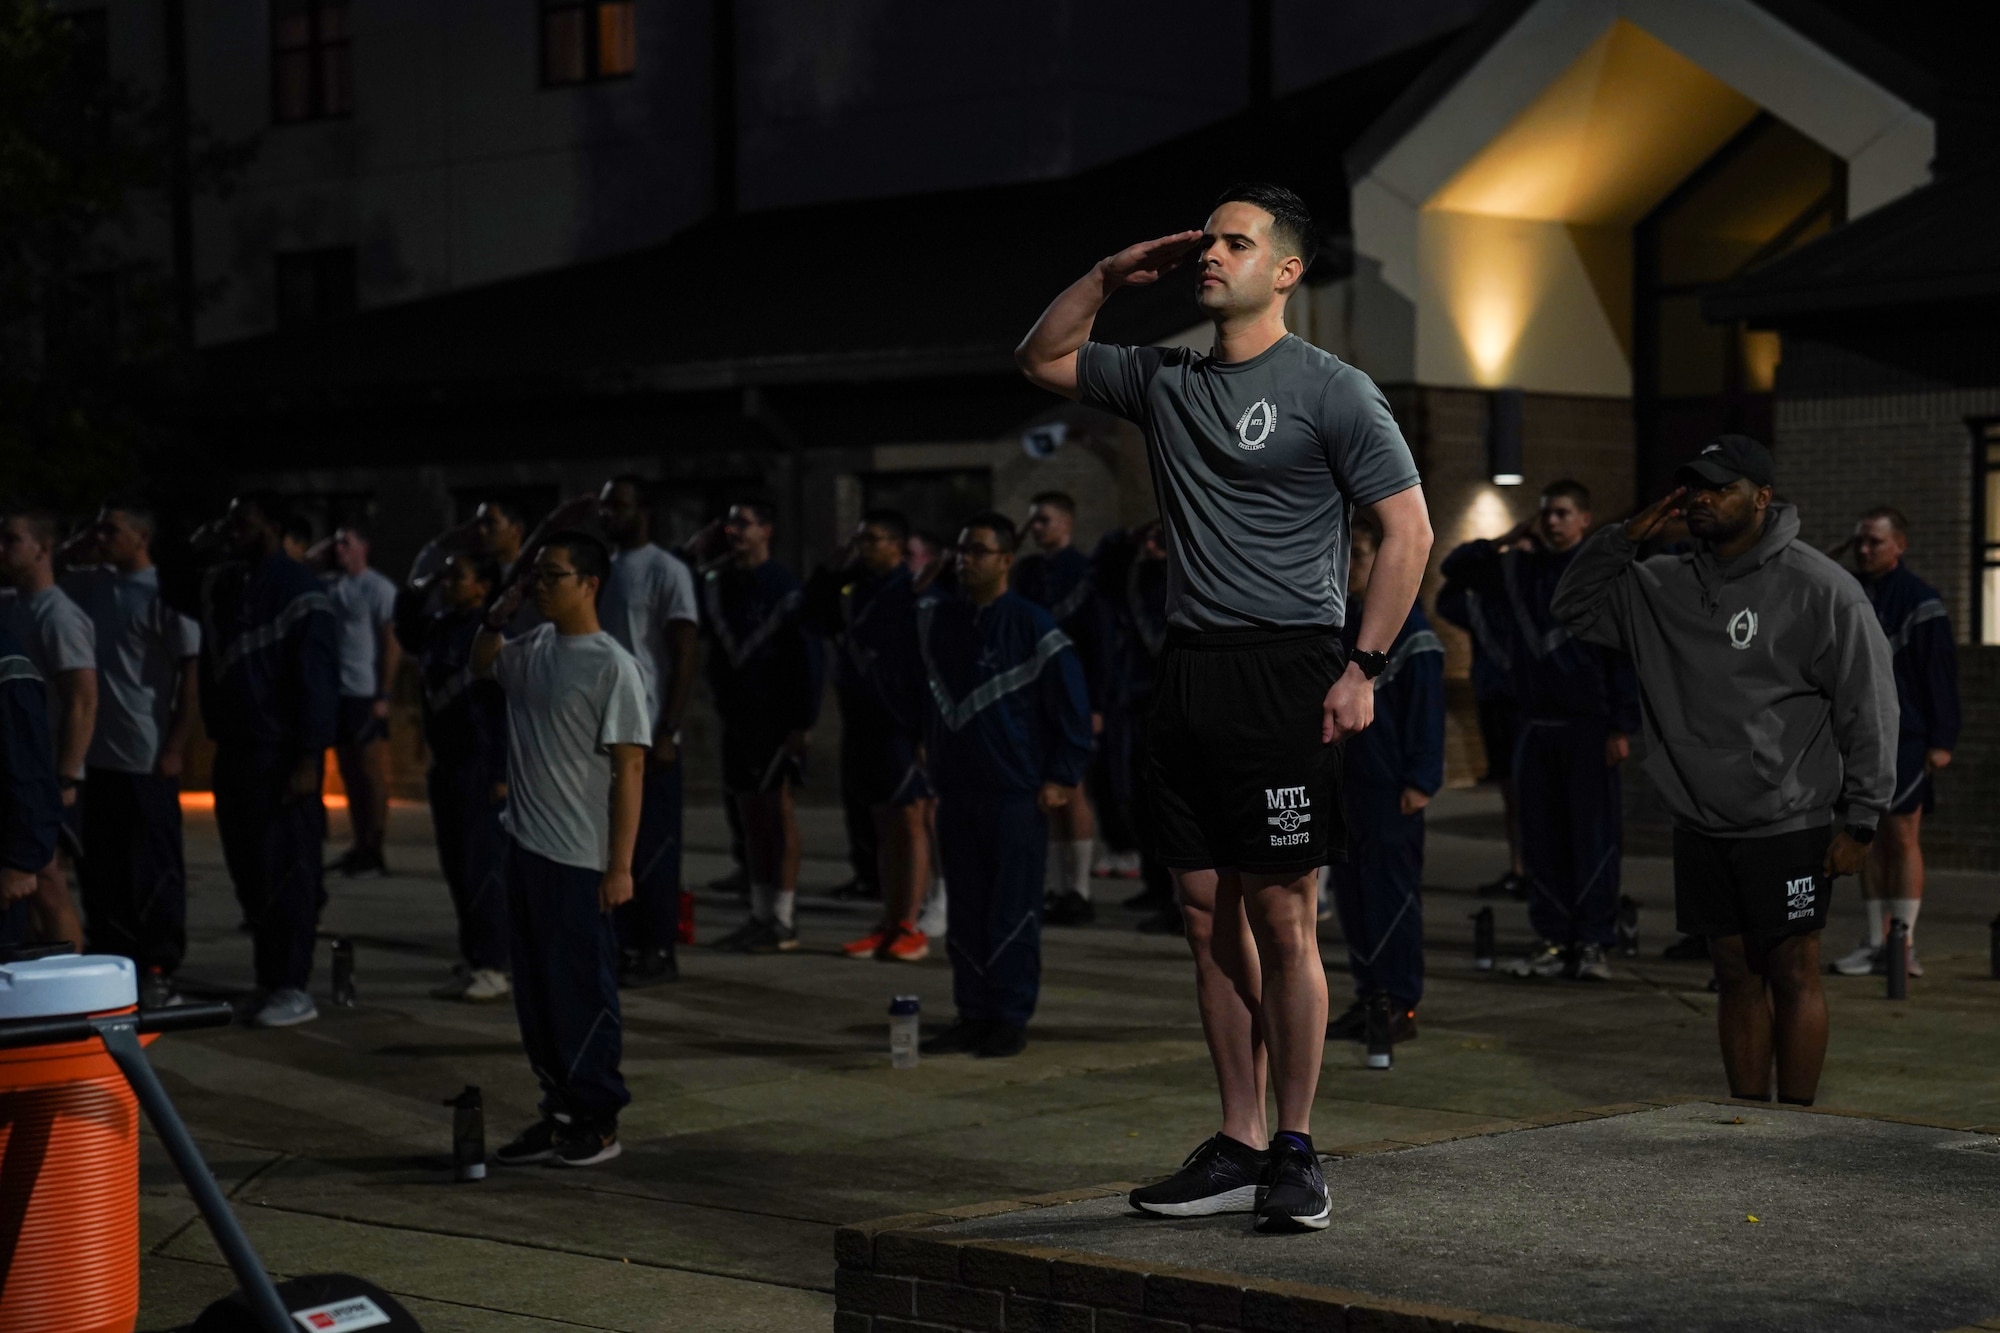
(311, 60)
(1986, 533)
(315, 287)
(586, 41)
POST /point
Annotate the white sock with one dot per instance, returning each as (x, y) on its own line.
(784, 905)
(763, 902)
(1878, 920)
(1905, 911)
(1055, 869)
(1080, 853)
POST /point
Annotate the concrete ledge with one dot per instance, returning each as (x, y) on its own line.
(922, 1272)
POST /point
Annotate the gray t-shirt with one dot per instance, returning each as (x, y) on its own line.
(363, 605)
(647, 589)
(570, 698)
(142, 644)
(58, 637)
(1255, 465)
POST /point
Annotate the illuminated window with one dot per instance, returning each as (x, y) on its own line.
(587, 41)
(311, 60)
(1986, 536)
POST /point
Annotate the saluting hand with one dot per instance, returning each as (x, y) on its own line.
(1149, 261)
(1654, 519)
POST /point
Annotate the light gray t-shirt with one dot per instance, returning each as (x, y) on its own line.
(363, 605)
(570, 698)
(58, 637)
(1255, 465)
(647, 589)
(142, 644)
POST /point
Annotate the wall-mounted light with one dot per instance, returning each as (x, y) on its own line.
(1503, 437)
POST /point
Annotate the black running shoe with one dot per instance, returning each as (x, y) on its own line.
(1001, 1041)
(855, 889)
(1220, 1176)
(964, 1034)
(1068, 909)
(586, 1145)
(1295, 1192)
(536, 1143)
(648, 967)
(1351, 1025)
(740, 939)
(1509, 885)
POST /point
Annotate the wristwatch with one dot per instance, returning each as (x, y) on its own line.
(1859, 834)
(1371, 664)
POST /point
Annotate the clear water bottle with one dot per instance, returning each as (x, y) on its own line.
(903, 1032)
(1381, 1050)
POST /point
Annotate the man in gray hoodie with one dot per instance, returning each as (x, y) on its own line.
(1770, 713)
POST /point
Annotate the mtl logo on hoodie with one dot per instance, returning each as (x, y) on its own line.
(1742, 628)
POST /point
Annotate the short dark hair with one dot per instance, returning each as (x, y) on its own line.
(642, 488)
(356, 525)
(40, 522)
(139, 511)
(510, 509)
(483, 567)
(1568, 488)
(761, 510)
(1291, 221)
(293, 523)
(1891, 515)
(894, 521)
(1004, 532)
(1057, 500)
(587, 553)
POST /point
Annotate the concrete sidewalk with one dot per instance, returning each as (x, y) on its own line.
(765, 1112)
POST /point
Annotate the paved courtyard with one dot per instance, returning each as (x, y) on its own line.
(765, 1112)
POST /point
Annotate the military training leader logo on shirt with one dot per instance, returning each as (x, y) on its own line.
(1254, 426)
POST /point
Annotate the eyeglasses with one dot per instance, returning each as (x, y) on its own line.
(969, 551)
(552, 574)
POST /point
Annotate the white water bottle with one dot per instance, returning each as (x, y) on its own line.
(903, 1032)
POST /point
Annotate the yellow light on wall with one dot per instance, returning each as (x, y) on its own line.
(1761, 352)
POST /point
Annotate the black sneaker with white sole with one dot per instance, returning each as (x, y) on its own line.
(586, 1145)
(1294, 1196)
(536, 1143)
(1220, 1176)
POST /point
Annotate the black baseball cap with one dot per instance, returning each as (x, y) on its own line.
(1725, 458)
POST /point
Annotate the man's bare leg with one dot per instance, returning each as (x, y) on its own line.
(901, 834)
(1798, 1012)
(1283, 919)
(1743, 1019)
(1228, 984)
(771, 849)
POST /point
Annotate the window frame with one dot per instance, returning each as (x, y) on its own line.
(593, 54)
(315, 49)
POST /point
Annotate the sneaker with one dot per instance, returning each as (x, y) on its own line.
(1547, 960)
(1509, 885)
(586, 1145)
(1001, 1041)
(536, 1143)
(868, 945)
(1402, 1025)
(1068, 909)
(1864, 960)
(1351, 1025)
(1912, 967)
(773, 938)
(157, 989)
(907, 945)
(358, 864)
(1687, 949)
(1591, 964)
(340, 865)
(935, 917)
(1294, 1195)
(485, 985)
(1125, 865)
(1220, 1176)
(454, 987)
(963, 1035)
(649, 967)
(285, 1008)
(739, 939)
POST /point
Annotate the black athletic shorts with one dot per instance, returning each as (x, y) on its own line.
(356, 725)
(754, 758)
(1914, 789)
(1233, 772)
(1762, 888)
